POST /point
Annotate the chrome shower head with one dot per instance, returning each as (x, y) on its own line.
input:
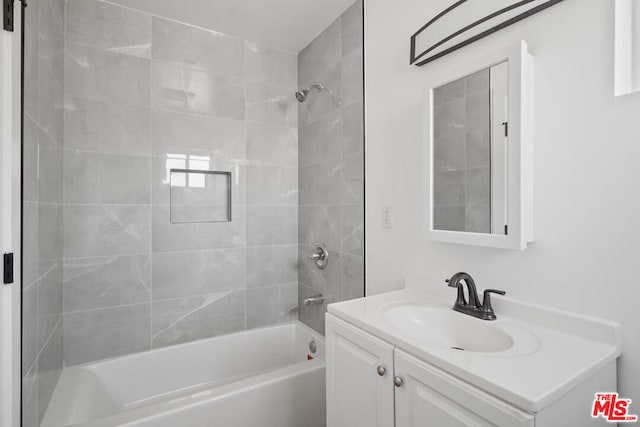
(302, 95)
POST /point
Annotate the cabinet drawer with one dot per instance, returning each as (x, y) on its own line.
(431, 397)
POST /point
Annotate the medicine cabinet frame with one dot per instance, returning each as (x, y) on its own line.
(519, 212)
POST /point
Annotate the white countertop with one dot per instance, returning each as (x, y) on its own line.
(555, 352)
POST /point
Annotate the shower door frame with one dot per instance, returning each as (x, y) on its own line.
(11, 221)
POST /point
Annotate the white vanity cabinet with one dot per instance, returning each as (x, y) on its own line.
(360, 379)
(358, 394)
(406, 359)
(429, 397)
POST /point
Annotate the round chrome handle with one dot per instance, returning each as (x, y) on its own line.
(397, 381)
(381, 371)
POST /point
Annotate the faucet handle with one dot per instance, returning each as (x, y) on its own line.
(487, 308)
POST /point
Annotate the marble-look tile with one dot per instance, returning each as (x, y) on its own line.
(353, 78)
(321, 183)
(168, 237)
(313, 315)
(49, 303)
(328, 282)
(56, 9)
(30, 347)
(50, 235)
(31, 65)
(198, 48)
(271, 305)
(271, 105)
(450, 153)
(108, 26)
(106, 76)
(352, 28)
(50, 170)
(449, 119)
(30, 243)
(180, 88)
(184, 274)
(220, 141)
(51, 69)
(272, 186)
(93, 231)
(272, 265)
(95, 178)
(353, 230)
(353, 128)
(352, 277)
(194, 318)
(478, 187)
(353, 179)
(30, 160)
(268, 225)
(50, 365)
(321, 140)
(478, 148)
(91, 283)
(449, 218)
(478, 82)
(321, 54)
(478, 111)
(272, 145)
(30, 397)
(106, 127)
(100, 334)
(478, 219)
(271, 66)
(321, 224)
(449, 92)
(320, 104)
(449, 188)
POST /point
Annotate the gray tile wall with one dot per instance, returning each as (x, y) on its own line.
(462, 151)
(139, 91)
(42, 206)
(331, 172)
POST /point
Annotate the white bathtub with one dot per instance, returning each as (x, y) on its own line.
(258, 378)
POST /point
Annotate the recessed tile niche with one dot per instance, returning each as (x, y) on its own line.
(200, 196)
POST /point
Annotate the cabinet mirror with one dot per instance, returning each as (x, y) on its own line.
(478, 140)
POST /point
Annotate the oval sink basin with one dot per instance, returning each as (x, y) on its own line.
(445, 327)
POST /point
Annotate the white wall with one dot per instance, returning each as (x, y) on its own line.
(586, 256)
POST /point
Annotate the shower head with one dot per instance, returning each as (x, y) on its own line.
(302, 95)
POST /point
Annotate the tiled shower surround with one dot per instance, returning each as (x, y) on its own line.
(331, 163)
(115, 98)
(143, 95)
(42, 207)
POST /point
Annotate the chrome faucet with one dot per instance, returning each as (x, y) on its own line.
(473, 308)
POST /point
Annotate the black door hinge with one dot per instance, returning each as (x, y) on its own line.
(8, 268)
(506, 230)
(7, 15)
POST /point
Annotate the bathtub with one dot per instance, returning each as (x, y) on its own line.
(257, 378)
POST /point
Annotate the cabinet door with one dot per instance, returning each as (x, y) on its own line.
(357, 394)
(430, 397)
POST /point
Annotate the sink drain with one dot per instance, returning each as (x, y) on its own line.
(457, 348)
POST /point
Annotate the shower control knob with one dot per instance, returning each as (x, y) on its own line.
(381, 371)
(398, 382)
(320, 256)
